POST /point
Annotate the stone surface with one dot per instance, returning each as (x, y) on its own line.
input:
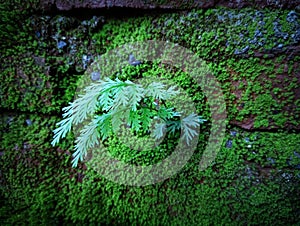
(152, 4)
(70, 44)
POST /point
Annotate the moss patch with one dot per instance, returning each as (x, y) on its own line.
(253, 180)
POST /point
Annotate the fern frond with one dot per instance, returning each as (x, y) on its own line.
(65, 126)
(88, 138)
(123, 93)
(86, 104)
(119, 116)
(172, 126)
(146, 116)
(121, 103)
(158, 91)
(68, 111)
(171, 91)
(136, 94)
(77, 111)
(120, 98)
(189, 125)
(134, 120)
(105, 101)
(165, 113)
(104, 122)
(159, 130)
(112, 86)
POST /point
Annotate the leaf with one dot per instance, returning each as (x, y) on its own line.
(86, 104)
(172, 126)
(120, 103)
(87, 139)
(105, 101)
(134, 121)
(165, 113)
(65, 126)
(121, 98)
(111, 86)
(146, 115)
(105, 124)
(77, 111)
(189, 125)
(172, 91)
(119, 117)
(136, 94)
(157, 90)
(159, 130)
(125, 94)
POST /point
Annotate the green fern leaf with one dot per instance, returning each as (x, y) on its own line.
(172, 126)
(159, 130)
(88, 138)
(104, 122)
(158, 91)
(86, 104)
(119, 117)
(146, 116)
(105, 101)
(136, 95)
(189, 125)
(121, 98)
(134, 121)
(166, 113)
(77, 111)
(121, 103)
(60, 132)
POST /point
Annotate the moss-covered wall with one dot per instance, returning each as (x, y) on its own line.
(255, 178)
(164, 4)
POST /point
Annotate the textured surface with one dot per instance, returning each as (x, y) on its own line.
(253, 181)
(150, 4)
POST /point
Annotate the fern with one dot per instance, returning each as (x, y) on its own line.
(158, 91)
(189, 127)
(87, 139)
(134, 121)
(159, 131)
(104, 122)
(118, 117)
(122, 103)
(77, 111)
(146, 115)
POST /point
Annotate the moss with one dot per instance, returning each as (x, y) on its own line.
(253, 180)
(227, 192)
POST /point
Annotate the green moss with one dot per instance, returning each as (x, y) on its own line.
(253, 180)
(40, 183)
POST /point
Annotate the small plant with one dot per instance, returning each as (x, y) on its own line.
(116, 103)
